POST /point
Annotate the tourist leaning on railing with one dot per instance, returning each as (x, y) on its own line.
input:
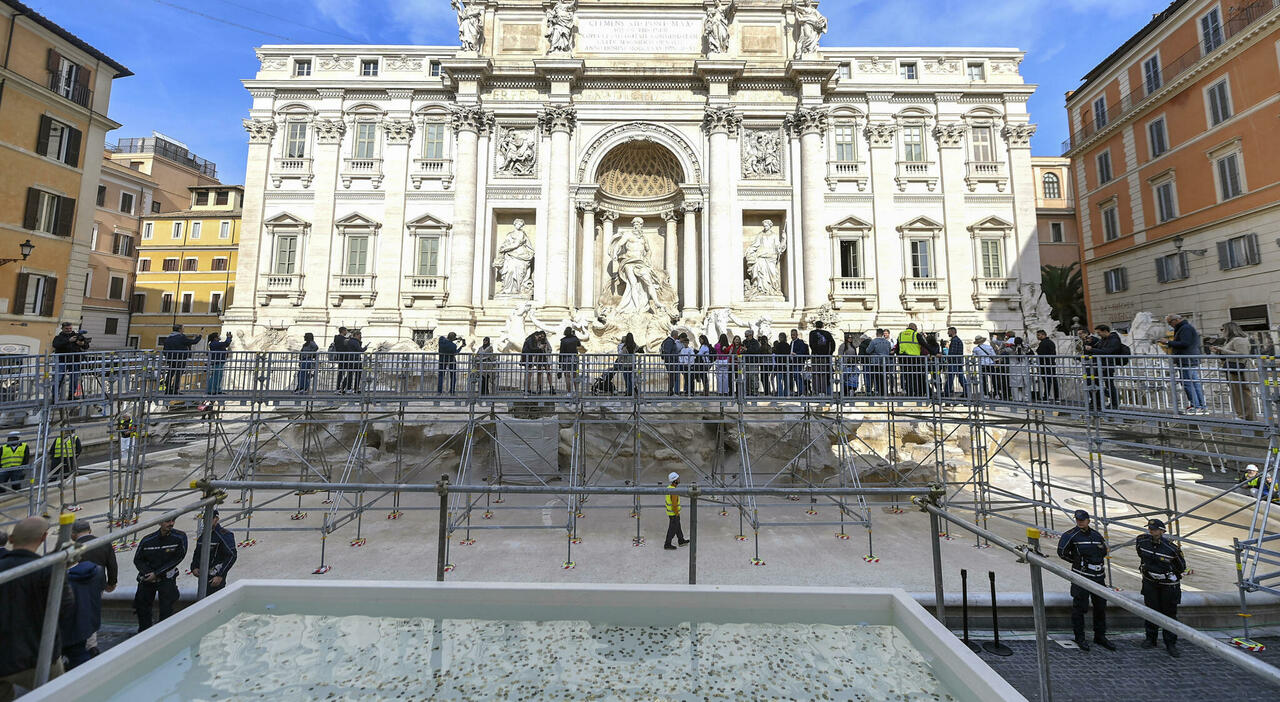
(217, 362)
(1239, 377)
(308, 359)
(1186, 347)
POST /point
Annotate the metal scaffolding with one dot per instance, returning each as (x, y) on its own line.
(1012, 447)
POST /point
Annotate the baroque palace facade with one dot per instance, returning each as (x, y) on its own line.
(626, 165)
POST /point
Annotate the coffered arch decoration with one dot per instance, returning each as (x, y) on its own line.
(604, 143)
(639, 171)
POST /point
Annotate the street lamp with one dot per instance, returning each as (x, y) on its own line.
(1177, 246)
(25, 247)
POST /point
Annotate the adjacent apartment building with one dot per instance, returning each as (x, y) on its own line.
(54, 93)
(124, 196)
(186, 265)
(1176, 165)
(140, 176)
(1056, 227)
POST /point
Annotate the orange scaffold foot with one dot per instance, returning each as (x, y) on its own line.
(635, 515)
(637, 541)
(73, 508)
(757, 561)
(395, 515)
(842, 536)
(740, 537)
(448, 567)
(247, 543)
(322, 570)
(466, 542)
(871, 559)
(357, 543)
(568, 565)
(811, 512)
(487, 514)
(724, 513)
(575, 539)
(945, 536)
(1247, 644)
(298, 515)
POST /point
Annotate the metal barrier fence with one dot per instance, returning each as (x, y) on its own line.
(1029, 553)
(1240, 387)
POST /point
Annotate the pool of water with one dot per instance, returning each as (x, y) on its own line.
(304, 657)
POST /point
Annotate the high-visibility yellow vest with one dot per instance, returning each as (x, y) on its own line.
(673, 504)
(125, 426)
(909, 343)
(64, 447)
(11, 455)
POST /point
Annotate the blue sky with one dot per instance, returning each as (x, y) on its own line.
(189, 64)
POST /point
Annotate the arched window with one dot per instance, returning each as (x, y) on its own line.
(1052, 186)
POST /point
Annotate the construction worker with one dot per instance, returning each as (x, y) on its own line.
(1162, 567)
(222, 554)
(911, 348)
(64, 454)
(13, 456)
(127, 435)
(158, 560)
(673, 515)
(1086, 549)
(1252, 479)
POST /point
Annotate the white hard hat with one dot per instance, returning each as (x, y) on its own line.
(1251, 468)
(673, 475)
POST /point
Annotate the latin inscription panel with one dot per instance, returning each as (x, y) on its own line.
(639, 35)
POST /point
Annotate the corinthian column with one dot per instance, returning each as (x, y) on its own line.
(719, 123)
(587, 261)
(558, 122)
(810, 125)
(669, 248)
(689, 251)
(469, 122)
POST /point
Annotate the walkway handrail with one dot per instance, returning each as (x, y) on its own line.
(1195, 636)
(568, 490)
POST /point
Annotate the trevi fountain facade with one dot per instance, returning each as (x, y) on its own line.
(633, 165)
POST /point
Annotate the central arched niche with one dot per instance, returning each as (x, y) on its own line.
(639, 170)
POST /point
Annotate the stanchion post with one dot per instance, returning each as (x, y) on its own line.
(693, 533)
(994, 646)
(442, 540)
(964, 610)
(206, 535)
(939, 607)
(53, 603)
(1037, 607)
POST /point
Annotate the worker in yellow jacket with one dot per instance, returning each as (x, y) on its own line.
(673, 516)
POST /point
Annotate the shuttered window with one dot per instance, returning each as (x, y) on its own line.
(1238, 252)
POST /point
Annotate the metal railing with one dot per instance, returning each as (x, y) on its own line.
(1240, 19)
(169, 150)
(1030, 554)
(1236, 388)
(67, 553)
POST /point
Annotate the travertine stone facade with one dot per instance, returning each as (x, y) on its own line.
(642, 166)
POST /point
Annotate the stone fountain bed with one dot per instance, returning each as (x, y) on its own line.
(298, 640)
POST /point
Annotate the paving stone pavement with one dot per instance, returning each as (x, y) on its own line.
(1134, 673)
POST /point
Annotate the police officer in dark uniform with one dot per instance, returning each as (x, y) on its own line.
(222, 555)
(1086, 549)
(158, 560)
(1162, 567)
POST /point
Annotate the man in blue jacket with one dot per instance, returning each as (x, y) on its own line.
(1186, 348)
(177, 349)
(955, 364)
(158, 560)
(222, 555)
(22, 608)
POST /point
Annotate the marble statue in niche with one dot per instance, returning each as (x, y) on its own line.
(514, 263)
(517, 152)
(642, 287)
(764, 272)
